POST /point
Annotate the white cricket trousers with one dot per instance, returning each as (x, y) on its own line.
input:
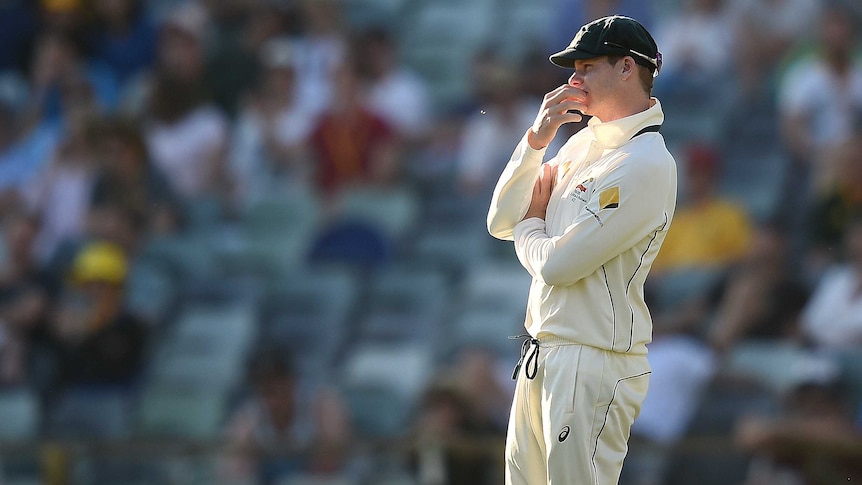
(569, 425)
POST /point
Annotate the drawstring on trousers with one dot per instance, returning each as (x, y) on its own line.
(532, 364)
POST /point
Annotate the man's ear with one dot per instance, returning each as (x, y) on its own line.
(628, 66)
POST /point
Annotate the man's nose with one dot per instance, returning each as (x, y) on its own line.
(575, 79)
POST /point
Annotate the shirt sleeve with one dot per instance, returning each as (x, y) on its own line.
(627, 204)
(514, 189)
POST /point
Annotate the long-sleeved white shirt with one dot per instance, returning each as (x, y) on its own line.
(608, 215)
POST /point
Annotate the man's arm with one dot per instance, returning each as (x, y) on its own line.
(626, 205)
(512, 194)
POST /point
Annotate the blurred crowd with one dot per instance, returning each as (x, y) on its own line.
(243, 241)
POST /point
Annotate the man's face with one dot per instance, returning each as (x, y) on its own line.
(598, 79)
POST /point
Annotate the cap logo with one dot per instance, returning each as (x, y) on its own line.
(577, 39)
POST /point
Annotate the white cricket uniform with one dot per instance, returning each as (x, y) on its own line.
(607, 217)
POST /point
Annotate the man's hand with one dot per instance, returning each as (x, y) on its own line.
(555, 113)
(542, 192)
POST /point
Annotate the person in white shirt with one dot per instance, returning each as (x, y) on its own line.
(820, 96)
(586, 225)
(833, 317)
(395, 93)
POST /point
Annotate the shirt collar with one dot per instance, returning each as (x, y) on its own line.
(614, 134)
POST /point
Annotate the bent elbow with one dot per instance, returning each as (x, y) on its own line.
(550, 276)
(559, 273)
(499, 229)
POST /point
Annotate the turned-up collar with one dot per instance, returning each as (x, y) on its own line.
(614, 134)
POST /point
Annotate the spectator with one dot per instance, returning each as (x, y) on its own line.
(62, 92)
(24, 151)
(56, 60)
(234, 67)
(682, 366)
(96, 342)
(695, 44)
(395, 93)
(185, 132)
(60, 196)
(820, 97)
(25, 293)
(478, 376)
(270, 136)
(18, 29)
(772, 29)
(321, 50)
(487, 134)
(67, 16)
(352, 146)
(708, 231)
(835, 203)
(127, 180)
(448, 445)
(276, 436)
(124, 38)
(762, 296)
(268, 432)
(815, 441)
(833, 318)
(578, 12)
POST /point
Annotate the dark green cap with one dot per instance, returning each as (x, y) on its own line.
(615, 35)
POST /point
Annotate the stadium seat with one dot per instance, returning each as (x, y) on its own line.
(707, 455)
(267, 256)
(315, 340)
(224, 327)
(87, 414)
(150, 290)
(408, 290)
(488, 328)
(403, 368)
(328, 292)
(757, 181)
(495, 286)
(399, 327)
(180, 413)
(775, 365)
(203, 215)
(357, 243)
(394, 211)
(851, 370)
(377, 411)
(684, 285)
(273, 216)
(188, 258)
(21, 414)
(453, 251)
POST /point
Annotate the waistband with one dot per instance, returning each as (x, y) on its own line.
(554, 341)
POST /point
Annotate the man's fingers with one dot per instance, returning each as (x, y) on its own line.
(571, 118)
(547, 181)
(554, 176)
(567, 105)
(559, 95)
(563, 118)
(554, 92)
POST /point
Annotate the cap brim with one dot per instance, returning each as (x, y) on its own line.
(566, 58)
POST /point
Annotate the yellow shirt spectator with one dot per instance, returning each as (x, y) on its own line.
(708, 232)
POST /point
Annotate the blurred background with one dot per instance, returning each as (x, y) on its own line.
(243, 241)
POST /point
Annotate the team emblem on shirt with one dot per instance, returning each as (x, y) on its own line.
(609, 198)
(580, 190)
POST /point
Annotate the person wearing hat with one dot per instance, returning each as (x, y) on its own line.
(96, 340)
(586, 225)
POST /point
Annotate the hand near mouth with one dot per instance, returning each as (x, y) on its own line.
(564, 104)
